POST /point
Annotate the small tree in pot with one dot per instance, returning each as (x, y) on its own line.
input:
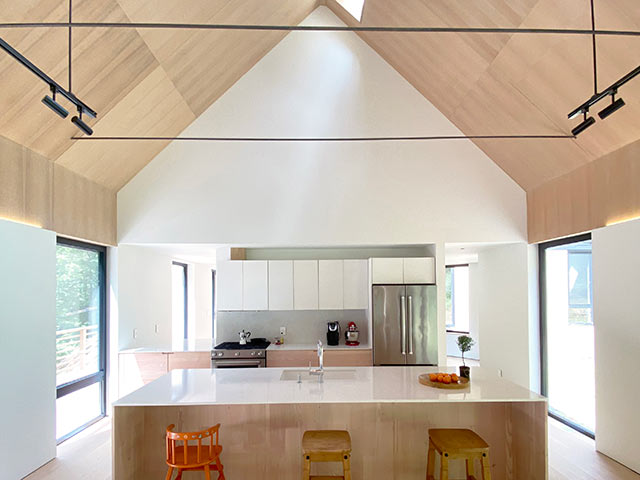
(465, 342)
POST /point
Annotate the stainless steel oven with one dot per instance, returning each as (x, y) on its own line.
(238, 363)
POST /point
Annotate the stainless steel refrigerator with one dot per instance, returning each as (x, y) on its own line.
(405, 329)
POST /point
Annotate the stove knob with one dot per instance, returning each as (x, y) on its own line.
(253, 354)
(220, 354)
(259, 354)
(237, 354)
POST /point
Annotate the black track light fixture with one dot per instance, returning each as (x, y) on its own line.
(586, 123)
(77, 120)
(53, 105)
(614, 107)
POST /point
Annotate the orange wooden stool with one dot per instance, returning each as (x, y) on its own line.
(326, 446)
(457, 443)
(202, 456)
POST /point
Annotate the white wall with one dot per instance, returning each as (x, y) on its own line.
(503, 311)
(144, 291)
(27, 348)
(616, 277)
(315, 194)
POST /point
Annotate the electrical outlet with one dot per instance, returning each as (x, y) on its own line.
(156, 328)
(135, 333)
(283, 330)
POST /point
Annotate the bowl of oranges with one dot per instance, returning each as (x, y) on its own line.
(443, 380)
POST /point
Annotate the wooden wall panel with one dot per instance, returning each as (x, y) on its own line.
(33, 190)
(602, 192)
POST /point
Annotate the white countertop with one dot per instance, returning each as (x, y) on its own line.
(197, 345)
(367, 385)
(314, 346)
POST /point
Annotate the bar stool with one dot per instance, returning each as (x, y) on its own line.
(203, 456)
(326, 446)
(457, 443)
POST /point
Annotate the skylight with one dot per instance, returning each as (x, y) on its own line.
(354, 7)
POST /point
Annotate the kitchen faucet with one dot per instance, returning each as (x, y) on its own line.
(318, 371)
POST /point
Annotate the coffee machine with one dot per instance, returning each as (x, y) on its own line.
(333, 333)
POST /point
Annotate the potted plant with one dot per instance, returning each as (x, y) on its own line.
(465, 342)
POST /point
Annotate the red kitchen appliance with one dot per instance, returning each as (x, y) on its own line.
(351, 334)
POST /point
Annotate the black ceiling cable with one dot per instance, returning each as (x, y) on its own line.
(612, 90)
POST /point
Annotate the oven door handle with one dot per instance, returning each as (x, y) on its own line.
(236, 363)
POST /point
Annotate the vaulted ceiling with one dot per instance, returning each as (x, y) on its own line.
(156, 82)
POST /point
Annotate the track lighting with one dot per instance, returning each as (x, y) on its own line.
(77, 120)
(53, 105)
(586, 123)
(614, 107)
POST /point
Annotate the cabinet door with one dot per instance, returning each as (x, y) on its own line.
(419, 270)
(255, 294)
(229, 279)
(280, 285)
(180, 360)
(305, 285)
(330, 285)
(356, 285)
(387, 270)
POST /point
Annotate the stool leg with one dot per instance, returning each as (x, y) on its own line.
(431, 461)
(346, 467)
(444, 466)
(207, 472)
(470, 468)
(179, 477)
(486, 471)
(220, 469)
(306, 467)
(169, 473)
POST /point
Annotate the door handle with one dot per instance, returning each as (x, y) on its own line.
(410, 308)
(403, 325)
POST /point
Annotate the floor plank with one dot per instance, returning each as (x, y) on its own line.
(572, 456)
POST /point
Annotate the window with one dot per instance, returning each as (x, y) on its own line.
(80, 336)
(566, 331)
(457, 298)
(179, 303)
(354, 7)
(213, 303)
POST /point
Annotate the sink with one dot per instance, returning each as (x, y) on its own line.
(305, 376)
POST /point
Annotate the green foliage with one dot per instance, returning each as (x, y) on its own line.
(465, 342)
(77, 293)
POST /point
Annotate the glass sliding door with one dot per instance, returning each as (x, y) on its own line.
(568, 376)
(179, 304)
(80, 336)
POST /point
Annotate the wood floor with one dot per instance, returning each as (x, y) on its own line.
(572, 456)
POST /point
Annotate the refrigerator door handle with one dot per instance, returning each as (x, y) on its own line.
(410, 308)
(403, 324)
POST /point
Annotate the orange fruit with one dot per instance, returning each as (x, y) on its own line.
(433, 377)
(447, 379)
(454, 377)
(440, 377)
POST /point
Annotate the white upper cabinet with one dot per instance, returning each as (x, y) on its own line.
(255, 294)
(229, 279)
(419, 270)
(281, 285)
(387, 270)
(305, 285)
(403, 270)
(356, 284)
(330, 285)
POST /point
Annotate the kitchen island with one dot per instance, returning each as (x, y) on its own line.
(264, 412)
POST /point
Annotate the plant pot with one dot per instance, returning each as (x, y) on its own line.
(465, 372)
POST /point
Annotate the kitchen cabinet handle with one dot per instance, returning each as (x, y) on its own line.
(410, 308)
(403, 324)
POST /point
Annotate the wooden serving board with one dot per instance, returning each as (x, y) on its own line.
(462, 383)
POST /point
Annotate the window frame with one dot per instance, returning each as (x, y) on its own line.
(542, 297)
(101, 375)
(453, 307)
(185, 269)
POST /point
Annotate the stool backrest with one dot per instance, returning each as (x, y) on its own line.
(204, 450)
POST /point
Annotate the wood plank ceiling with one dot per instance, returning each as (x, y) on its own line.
(156, 82)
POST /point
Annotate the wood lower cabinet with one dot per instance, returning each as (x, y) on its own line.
(332, 358)
(139, 368)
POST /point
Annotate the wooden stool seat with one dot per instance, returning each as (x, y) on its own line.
(326, 446)
(457, 443)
